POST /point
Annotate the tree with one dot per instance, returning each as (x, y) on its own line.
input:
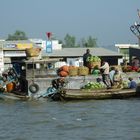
(18, 35)
(89, 43)
(69, 41)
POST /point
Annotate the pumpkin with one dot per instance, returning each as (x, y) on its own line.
(65, 68)
(63, 73)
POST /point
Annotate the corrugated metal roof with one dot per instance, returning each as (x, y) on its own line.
(74, 52)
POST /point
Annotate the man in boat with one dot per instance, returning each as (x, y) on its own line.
(111, 75)
(117, 78)
(132, 84)
(105, 74)
(85, 56)
(58, 83)
(135, 64)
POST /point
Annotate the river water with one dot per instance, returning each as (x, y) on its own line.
(75, 120)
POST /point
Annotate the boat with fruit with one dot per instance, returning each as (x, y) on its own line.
(92, 90)
(80, 94)
(36, 77)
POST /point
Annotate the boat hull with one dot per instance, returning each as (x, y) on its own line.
(75, 82)
(12, 96)
(79, 94)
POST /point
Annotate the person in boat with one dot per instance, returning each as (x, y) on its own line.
(2, 86)
(99, 80)
(57, 88)
(117, 78)
(111, 75)
(85, 56)
(105, 73)
(135, 64)
(58, 83)
(132, 84)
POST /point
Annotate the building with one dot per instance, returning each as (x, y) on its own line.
(39, 42)
(55, 45)
(15, 51)
(77, 54)
(129, 51)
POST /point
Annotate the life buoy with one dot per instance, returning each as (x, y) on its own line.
(34, 88)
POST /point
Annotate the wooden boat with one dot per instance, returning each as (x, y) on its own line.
(80, 94)
(37, 75)
(31, 81)
(12, 96)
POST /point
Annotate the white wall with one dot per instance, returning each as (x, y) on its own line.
(75, 61)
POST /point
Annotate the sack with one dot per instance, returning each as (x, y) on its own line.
(83, 71)
(73, 71)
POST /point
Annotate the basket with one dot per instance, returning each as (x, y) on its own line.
(119, 67)
(94, 64)
(32, 52)
(73, 72)
(83, 71)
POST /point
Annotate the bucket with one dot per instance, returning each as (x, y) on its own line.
(10, 87)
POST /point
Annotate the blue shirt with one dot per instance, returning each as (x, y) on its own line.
(132, 85)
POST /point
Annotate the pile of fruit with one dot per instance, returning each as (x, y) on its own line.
(100, 85)
(130, 69)
(125, 84)
(65, 71)
(94, 85)
(94, 61)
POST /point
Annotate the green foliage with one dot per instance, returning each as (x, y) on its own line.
(89, 43)
(69, 41)
(18, 35)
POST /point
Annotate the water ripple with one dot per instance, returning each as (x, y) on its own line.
(82, 120)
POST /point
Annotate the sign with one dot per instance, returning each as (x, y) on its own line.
(15, 53)
(49, 47)
(10, 45)
(24, 46)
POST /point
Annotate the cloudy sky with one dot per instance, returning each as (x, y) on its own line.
(107, 20)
